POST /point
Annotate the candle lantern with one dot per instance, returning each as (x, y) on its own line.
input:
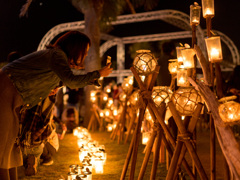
(214, 49)
(145, 63)
(109, 127)
(179, 54)
(107, 112)
(145, 137)
(173, 66)
(161, 94)
(105, 97)
(195, 11)
(229, 110)
(188, 57)
(88, 173)
(72, 168)
(101, 114)
(186, 100)
(182, 76)
(208, 8)
(98, 166)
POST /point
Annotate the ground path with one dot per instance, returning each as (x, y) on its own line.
(116, 154)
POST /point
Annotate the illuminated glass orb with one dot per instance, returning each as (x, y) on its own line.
(185, 100)
(229, 110)
(145, 63)
(161, 94)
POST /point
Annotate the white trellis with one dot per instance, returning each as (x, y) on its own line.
(173, 17)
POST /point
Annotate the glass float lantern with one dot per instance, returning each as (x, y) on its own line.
(173, 66)
(122, 96)
(134, 98)
(214, 49)
(229, 110)
(188, 57)
(148, 116)
(179, 54)
(185, 100)
(115, 112)
(126, 86)
(161, 94)
(208, 8)
(145, 62)
(182, 76)
(195, 11)
(130, 80)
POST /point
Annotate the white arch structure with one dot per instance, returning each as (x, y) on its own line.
(173, 17)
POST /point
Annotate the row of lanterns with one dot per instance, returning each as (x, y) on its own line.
(185, 98)
(91, 156)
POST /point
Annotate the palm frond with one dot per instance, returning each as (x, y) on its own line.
(147, 4)
(24, 8)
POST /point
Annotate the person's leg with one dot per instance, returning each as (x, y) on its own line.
(13, 173)
(48, 152)
(31, 165)
(4, 174)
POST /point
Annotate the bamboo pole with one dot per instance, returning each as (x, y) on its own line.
(226, 139)
(123, 120)
(147, 155)
(130, 127)
(129, 154)
(136, 143)
(156, 154)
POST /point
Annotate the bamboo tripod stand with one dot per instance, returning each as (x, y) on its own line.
(161, 127)
(95, 120)
(184, 138)
(120, 127)
(131, 124)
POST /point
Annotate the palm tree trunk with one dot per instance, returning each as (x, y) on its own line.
(92, 16)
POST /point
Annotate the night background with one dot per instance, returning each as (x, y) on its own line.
(24, 34)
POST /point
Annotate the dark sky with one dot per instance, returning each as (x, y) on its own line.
(24, 34)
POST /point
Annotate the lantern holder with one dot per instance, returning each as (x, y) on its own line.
(219, 91)
(157, 115)
(95, 120)
(120, 127)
